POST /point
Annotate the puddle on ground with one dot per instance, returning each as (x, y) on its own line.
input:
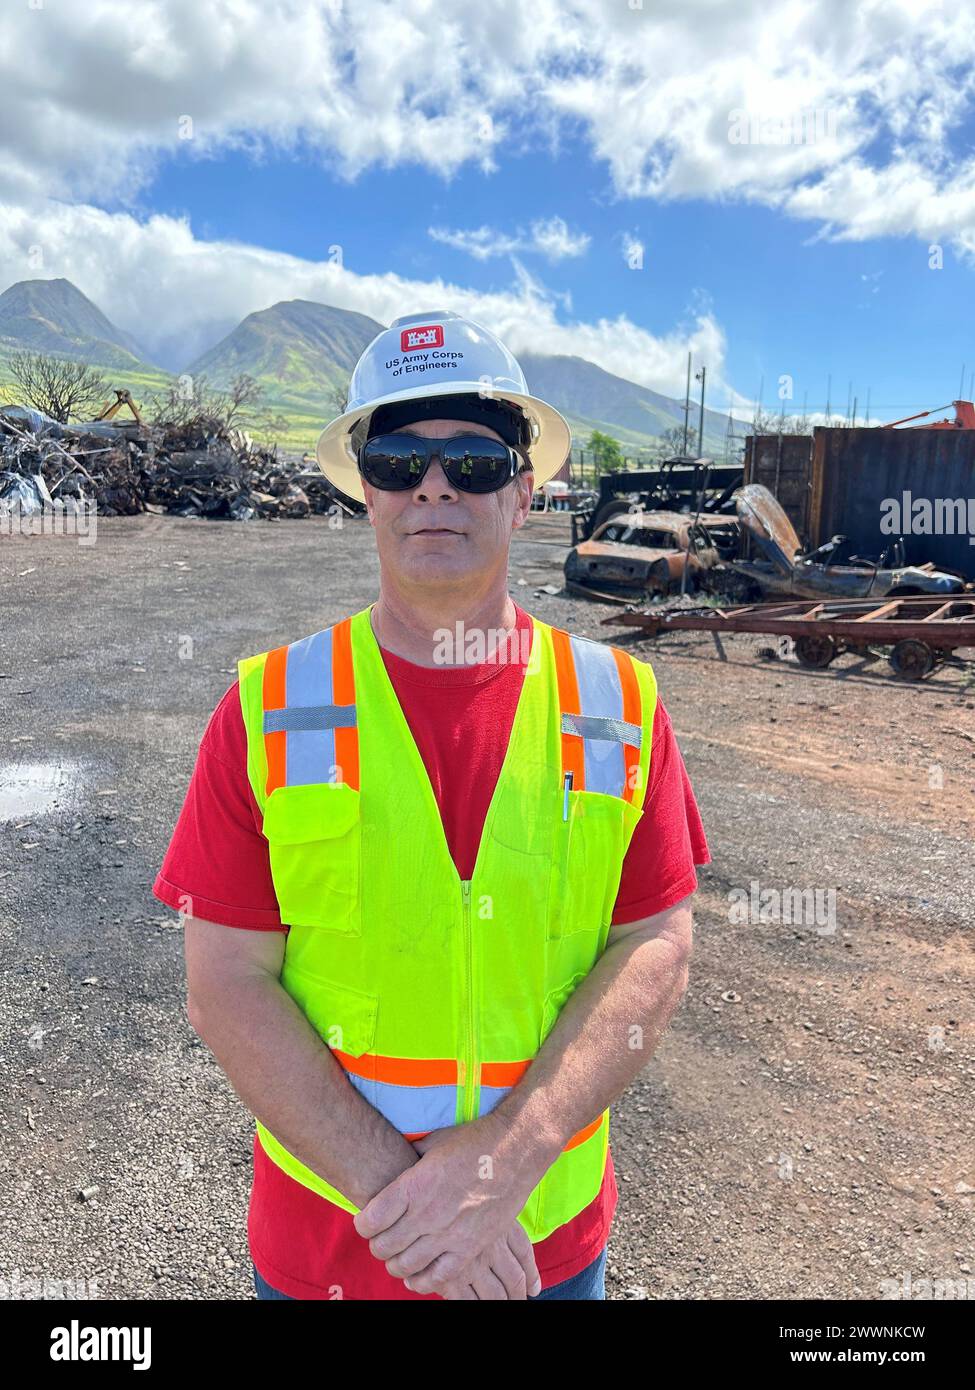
(32, 789)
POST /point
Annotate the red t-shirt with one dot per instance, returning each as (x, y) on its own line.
(302, 1244)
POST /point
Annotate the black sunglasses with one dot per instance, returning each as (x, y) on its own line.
(471, 462)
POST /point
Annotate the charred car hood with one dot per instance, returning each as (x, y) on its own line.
(765, 520)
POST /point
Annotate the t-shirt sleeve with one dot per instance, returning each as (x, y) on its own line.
(217, 866)
(659, 868)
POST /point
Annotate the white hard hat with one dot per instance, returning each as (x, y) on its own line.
(424, 356)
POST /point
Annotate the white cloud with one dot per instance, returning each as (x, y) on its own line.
(482, 242)
(91, 102)
(177, 294)
(549, 237)
(906, 199)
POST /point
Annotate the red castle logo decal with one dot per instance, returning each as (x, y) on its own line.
(430, 335)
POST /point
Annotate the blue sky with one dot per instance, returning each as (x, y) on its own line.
(208, 161)
(872, 313)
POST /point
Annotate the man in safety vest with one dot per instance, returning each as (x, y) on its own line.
(435, 865)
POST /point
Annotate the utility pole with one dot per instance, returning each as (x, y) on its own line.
(687, 401)
(730, 432)
(701, 376)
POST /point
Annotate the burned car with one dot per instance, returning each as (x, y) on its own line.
(782, 570)
(648, 551)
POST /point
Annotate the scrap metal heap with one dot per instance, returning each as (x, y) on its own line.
(126, 467)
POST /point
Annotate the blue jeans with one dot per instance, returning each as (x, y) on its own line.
(589, 1283)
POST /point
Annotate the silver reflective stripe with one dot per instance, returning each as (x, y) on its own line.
(306, 718)
(310, 753)
(594, 726)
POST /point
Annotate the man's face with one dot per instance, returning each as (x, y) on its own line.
(434, 533)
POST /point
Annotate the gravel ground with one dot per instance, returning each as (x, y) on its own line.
(805, 1129)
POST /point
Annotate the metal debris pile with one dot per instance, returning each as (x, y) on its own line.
(126, 468)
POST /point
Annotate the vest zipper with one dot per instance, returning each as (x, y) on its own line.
(469, 1071)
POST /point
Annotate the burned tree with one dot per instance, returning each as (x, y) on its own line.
(191, 402)
(56, 386)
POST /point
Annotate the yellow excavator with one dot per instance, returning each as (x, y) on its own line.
(110, 409)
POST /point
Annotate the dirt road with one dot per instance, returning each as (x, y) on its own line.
(806, 1128)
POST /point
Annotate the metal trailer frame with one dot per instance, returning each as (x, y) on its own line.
(921, 632)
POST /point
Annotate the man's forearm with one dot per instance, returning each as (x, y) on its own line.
(290, 1081)
(604, 1036)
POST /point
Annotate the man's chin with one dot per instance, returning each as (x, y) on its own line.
(439, 567)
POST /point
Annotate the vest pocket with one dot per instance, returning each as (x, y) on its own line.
(314, 833)
(344, 1018)
(590, 846)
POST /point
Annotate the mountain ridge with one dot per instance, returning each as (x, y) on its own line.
(54, 316)
(303, 351)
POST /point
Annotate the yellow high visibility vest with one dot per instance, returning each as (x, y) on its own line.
(435, 993)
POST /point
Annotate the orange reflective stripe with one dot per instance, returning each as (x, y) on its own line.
(274, 690)
(343, 693)
(401, 1071)
(583, 1134)
(573, 750)
(510, 1073)
(632, 714)
(503, 1073)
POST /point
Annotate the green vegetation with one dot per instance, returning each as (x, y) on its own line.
(142, 381)
(302, 354)
(606, 452)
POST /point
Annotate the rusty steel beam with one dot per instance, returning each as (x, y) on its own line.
(855, 620)
(882, 611)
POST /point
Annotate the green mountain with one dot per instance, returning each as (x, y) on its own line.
(300, 351)
(303, 354)
(291, 344)
(52, 316)
(593, 399)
